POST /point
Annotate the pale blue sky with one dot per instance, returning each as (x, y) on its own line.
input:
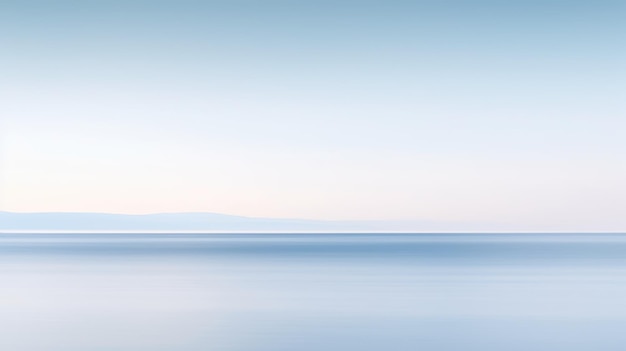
(504, 111)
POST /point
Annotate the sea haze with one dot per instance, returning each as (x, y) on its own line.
(305, 292)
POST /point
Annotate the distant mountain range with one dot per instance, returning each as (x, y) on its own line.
(209, 222)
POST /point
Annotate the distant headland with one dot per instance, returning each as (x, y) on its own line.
(206, 222)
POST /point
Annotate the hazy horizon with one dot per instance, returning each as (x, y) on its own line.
(209, 222)
(455, 111)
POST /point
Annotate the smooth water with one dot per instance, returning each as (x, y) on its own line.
(261, 292)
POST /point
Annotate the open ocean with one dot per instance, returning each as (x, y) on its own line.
(312, 292)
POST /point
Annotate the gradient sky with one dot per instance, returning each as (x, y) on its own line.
(495, 111)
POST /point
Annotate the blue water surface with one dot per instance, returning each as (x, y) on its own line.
(312, 292)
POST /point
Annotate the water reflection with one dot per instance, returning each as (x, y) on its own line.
(312, 292)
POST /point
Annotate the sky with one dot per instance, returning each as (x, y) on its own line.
(477, 110)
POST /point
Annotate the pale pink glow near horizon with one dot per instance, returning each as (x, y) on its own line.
(276, 183)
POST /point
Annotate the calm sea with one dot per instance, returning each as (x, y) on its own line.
(342, 292)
